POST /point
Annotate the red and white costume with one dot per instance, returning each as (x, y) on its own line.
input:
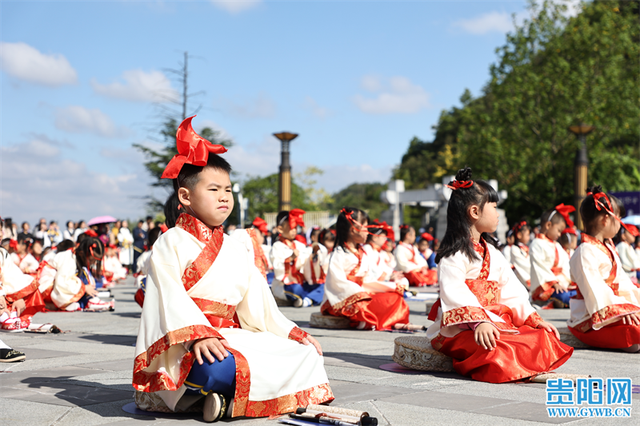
(549, 264)
(113, 269)
(316, 265)
(605, 293)
(628, 259)
(59, 282)
(17, 285)
(247, 237)
(26, 262)
(486, 290)
(202, 284)
(521, 263)
(286, 270)
(414, 266)
(353, 290)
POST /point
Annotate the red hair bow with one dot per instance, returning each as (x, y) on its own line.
(457, 184)
(192, 149)
(633, 230)
(13, 244)
(295, 218)
(426, 236)
(516, 228)
(261, 224)
(609, 209)
(91, 233)
(570, 231)
(564, 212)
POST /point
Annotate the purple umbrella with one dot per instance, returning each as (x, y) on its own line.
(102, 219)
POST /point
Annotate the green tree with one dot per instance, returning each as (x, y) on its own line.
(552, 72)
(262, 193)
(365, 196)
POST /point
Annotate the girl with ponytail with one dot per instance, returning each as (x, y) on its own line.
(483, 319)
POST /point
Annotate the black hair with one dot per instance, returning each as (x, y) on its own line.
(23, 224)
(375, 231)
(326, 234)
(25, 239)
(520, 228)
(565, 239)
(404, 230)
(457, 237)
(153, 235)
(550, 216)
(187, 178)
(590, 213)
(282, 217)
(71, 222)
(90, 247)
(343, 225)
(64, 246)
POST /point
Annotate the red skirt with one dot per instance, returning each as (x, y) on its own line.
(382, 312)
(516, 356)
(33, 304)
(422, 277)
(613, 336)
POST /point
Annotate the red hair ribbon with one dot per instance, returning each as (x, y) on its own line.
(385, 226)
(192, 149)
(564, 212)
(570, 231)
(91, 233)
(404, 226)
(93, 255)
(609, 209)
(349, 217)
(633, 230)
(13, 244)
(295, 218)
(457, 184)
(426, 236)
(261, 224)
(518, 226)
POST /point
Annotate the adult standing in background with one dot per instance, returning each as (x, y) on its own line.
(54, 234)
(139, 239)
(80, 229)
(125, 240)
(69, 233)
(9, 230)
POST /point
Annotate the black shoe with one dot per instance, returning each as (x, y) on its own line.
(9, 355)
(214, 408)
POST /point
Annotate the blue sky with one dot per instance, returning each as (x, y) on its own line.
(83, 81)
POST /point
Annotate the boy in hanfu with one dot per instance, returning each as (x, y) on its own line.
(210, 327)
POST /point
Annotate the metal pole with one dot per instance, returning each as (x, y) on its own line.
(581, 167)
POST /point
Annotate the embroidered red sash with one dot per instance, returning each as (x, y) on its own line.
(586, 238)
(359, 253)
(258, 254)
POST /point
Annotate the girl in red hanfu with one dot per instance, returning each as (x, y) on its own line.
(353, 287)
(22, 299)
(288, 256)
(253, 239)
(58, 279)
(519, 253)
(411, 262)
(210, 328)
(22, 256)
(483, 319)
(550, 274)
(376, 239)
(606, 311)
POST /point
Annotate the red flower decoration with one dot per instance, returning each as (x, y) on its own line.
(192, 149)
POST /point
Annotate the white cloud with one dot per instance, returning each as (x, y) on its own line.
(500, 22)
(318, 111)
(138, 85)
(78, 119)
(27, 63)
(235, 6)
(337, 177)
(260, 107)
(38, 182)
(256, 159)
(397, 95)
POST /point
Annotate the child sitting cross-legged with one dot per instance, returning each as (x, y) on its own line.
(210, 329)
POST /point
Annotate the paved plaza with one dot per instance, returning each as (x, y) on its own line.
(83, 376)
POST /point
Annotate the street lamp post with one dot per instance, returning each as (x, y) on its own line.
(284, 178)
(581, 167)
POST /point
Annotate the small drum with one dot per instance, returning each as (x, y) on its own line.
(415, 352)
(328, 321)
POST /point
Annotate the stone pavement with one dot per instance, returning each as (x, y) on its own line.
(83, 376)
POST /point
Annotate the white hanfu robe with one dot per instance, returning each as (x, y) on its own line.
(18, 285)
(605, 295)
(409, 258)
(112, 264)
(506, 252)
(316, 266)
(380, 267)
(628, 258)
(202, 284)
(27, 263)
(125, 239)
(549, 264)
(521, 263)
(59, 281)
(282, 271)
(248, 239)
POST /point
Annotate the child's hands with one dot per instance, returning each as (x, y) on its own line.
(558, 288)
(316, 247)
(310, 340)
(90, 289)
(631, 319)
(550, 328)
(486, 335)
(18, 306)
(295, 253)
(3, 305)
(210, 347)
